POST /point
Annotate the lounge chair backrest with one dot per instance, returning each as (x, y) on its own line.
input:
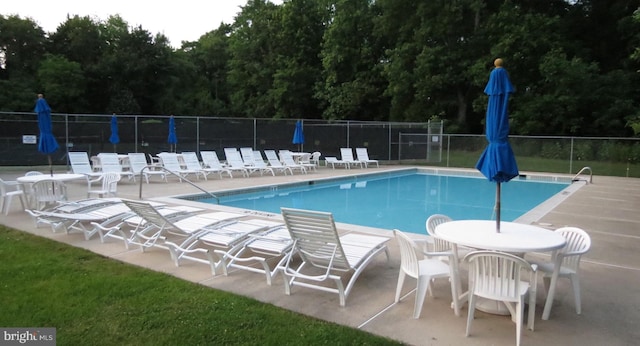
(80, 162)
(287, 158)
(346, 154)
(170, 161)
(209, 160)
(149, 214)
(191, 161)
(233, 157)
(362, 154)
(247, 156)
(316, 238)
(110, 162)
(137, 161)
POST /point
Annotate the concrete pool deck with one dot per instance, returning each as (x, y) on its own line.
(610, 279)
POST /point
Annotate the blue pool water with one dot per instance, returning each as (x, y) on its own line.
(402, 201)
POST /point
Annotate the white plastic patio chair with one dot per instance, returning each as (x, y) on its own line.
(48, 192)
(438, 244)
(8, 190)
(320, 247)
(497, 276)
(424, 270)
(109, 186)
(565, 263)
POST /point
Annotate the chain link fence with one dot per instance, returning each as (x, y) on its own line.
(393, 142)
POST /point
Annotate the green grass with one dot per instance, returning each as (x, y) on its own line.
(93, 300)
(468, 159)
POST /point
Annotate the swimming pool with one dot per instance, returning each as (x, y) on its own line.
(400, 200)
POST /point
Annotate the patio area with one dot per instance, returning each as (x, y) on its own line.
(610, 277)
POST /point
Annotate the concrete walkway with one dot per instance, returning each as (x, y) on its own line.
(606, 209)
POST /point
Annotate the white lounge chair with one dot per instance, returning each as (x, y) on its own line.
(317, 242)
(80, 206)
(333, 161)
(253, 163)
(110, 162)
(185, 238)
(235, 162)
(171, 163)
(275, 163)
(85, 221)
(346, 155)
(193, 163)
(210, 160)
(362, 155)
(262, 249)
(287, 160)
(163, 233)
(138, 161)
(79, 161)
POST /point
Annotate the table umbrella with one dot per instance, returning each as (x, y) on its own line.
(115, 138)
(172, 139)
(47, 144)
(298, 135)
(497, 162)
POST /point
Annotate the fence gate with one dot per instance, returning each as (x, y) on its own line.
(422, 146)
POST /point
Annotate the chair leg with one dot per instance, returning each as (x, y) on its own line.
(472, 308)
(550, 293)
(575, 282)
(424, 283)
(519, 313)
(400, 284)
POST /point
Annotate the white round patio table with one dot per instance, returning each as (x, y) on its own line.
(513, 238)
(28, 181)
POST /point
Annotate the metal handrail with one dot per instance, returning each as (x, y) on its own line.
(149, 167)
(586, 168)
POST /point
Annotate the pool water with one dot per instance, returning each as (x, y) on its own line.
(402, 201)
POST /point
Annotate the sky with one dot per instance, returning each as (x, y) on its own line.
(181, 20)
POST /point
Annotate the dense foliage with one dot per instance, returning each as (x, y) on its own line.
(574, 63)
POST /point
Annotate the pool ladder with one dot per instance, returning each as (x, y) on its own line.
(584, 169)
(149, 167)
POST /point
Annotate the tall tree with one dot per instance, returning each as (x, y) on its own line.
(253, 62)
(298, 65)
(22, 47)
(353, 84)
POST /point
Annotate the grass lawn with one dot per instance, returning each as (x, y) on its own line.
(93, 300)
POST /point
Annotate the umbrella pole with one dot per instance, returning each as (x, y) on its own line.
(498, 207)
(50, 165)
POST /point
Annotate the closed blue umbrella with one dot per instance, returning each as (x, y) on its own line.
(172, 139)
(114, 138)
(497, 162)
(47, 144)
(298, 135)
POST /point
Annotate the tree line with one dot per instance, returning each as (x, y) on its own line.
(575, 64)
